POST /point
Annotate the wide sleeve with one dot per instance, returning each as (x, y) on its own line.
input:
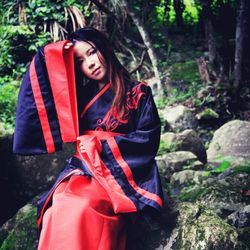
(46, 113)
(131, 157)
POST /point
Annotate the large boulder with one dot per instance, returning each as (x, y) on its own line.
(232, 139)
(23, 177)
(188, 140)
(179, 118)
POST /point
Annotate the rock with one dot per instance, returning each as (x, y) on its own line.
(168, 138)
(232, 139)
(37, 173)
(187, 176)
(167, 143)
(197, 165)
(176, 161)
(24, 177)
(20, 232)
(240, 218)
(188, 140)
(179, 118)
(223, 196)
(200, 228)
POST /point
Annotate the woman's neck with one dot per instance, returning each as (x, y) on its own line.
(100, 85)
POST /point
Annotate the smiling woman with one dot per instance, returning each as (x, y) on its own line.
(113, 173)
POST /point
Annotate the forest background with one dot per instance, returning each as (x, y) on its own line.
(185, 45)
(194, 53)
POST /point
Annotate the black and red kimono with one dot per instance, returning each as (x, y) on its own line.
(115, 175)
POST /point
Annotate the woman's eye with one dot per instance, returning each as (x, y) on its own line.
(92, 52)
(79, 61)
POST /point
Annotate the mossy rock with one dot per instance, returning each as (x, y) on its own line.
(22, 233)
(201, 229)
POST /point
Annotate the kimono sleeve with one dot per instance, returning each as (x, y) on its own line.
(46, 113)
(130, 158)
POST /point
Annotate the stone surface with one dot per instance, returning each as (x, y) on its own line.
(20, 232)
(23, 177)
(179, 118)
(168, 138)
(200, 228)
(232, 139)
(240, 218)
(188, 140)
(187, 176)
(177, 160)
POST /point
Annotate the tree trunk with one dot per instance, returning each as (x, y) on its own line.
(241, 24)
(207, 14)
(148, 43)
(179, 8)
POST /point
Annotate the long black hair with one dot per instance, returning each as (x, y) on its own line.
(117, 75)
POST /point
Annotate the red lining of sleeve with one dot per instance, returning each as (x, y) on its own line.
(60, 66)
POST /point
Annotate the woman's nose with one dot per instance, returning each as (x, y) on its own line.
(90, 63)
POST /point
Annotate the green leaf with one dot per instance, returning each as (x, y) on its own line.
(223, 166)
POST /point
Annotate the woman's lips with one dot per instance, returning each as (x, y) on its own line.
(96, 71)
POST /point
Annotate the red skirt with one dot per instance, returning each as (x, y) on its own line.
(82, 218)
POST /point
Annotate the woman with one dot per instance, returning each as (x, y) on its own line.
(113, 172)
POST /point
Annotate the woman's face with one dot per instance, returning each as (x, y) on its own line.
(87, 59)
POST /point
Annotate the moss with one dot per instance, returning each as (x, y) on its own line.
(208, 114)
(24, 234)
(191, 193)
(201, 228)
(166, 148)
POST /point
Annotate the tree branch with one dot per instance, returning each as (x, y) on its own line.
(138, 67)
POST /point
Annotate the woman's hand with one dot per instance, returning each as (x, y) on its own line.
(82, 148)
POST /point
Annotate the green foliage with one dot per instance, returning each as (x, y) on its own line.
(167, 148)
(191, 193)
(186, 71)
(161, 102)
(17, 45)
(243, 168)
(177, 95)
(166, 13)
(223, 167)
(191, 12)
(8, 100)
